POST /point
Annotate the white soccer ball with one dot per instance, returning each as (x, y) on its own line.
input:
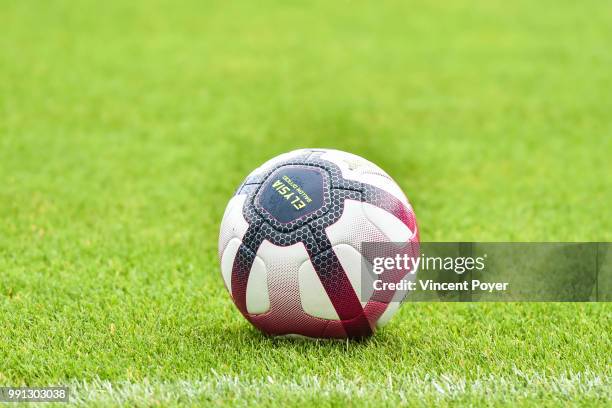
(290, 243)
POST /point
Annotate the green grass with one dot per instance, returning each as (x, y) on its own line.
(126, 126)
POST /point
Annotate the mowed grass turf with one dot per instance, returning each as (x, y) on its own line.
(126, 126)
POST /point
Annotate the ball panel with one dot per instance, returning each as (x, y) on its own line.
(227, 261)
(233, 224)
(353, 227)
(283, 263)
(240, 274)
(315, 301)
(352, 262)
(257, 296)
(388, 224)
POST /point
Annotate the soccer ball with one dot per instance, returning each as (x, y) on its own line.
(290, 243)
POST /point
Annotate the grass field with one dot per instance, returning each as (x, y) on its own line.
(126, 126)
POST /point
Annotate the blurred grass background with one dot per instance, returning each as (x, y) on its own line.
(126, 126)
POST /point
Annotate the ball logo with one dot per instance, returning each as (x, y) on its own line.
(291, 192)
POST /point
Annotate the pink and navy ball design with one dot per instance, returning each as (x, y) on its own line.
(290, 243)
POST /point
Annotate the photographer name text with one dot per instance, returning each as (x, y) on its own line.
(430, 285)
